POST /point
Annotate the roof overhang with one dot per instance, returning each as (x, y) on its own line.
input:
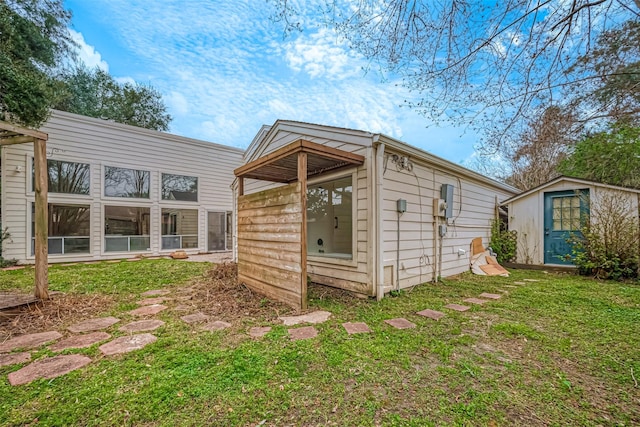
(282, 164)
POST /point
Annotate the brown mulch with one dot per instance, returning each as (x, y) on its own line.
(59, 311)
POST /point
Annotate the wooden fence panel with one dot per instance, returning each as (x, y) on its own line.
(271, 243)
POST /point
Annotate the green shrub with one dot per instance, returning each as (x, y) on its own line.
(4, 235)
(503, 242)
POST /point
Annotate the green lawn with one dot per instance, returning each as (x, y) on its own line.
(561, 351)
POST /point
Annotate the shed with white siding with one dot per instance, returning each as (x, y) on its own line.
(118, 191)
(545, 216)
(372, 228)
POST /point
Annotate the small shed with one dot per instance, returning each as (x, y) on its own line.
(545, 216)
(375, 214)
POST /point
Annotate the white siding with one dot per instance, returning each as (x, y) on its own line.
(474, 207)
(102, 143)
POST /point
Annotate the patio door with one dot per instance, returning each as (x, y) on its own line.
(216, 231)
(564, 212)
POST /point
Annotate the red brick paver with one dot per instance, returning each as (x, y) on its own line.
(475, 300)
(356, 328)
(29, 341)
(80, 341)
(431, 314)
(490, 296)
(303, 333)
(259, 331)
(457, 307)
(400, 323)
(50, 367)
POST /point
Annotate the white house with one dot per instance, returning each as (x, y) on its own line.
(545, 216)
(395, 217)
(118, 191)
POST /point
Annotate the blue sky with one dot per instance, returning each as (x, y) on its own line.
(224, 69)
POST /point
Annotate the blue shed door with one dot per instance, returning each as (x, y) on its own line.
(563, 211)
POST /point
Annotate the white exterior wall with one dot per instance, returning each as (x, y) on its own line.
(526, 216)
(101, 143)
(354, 274)
(474, 206)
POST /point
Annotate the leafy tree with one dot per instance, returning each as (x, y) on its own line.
(612, 157)
(492, 64)
(95, 93)
(33, 39)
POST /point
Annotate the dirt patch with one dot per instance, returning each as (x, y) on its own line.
(61, 310)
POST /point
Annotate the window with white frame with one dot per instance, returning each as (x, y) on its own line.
(126, 228)
(66, 177)
(123, 182)
(69, 229)
(181, 188)
(179, 228)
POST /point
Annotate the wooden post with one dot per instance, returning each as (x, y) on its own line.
(41, 219)
(240, 186)
(302, 179)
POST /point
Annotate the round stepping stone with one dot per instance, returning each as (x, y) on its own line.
(400, 323)
(490, 296)
(259, 331)
(156, 292)
(142, 326)
(475, 300)
(127, 344)
(314, 317)
(29, 341)
(195, 318)
(306, 332)
(151, 301)
(217, 325)
(80, 341)
(148, 310)
(93, 325)
(14, 358)
(431, 314)
(356, 328)
(51, 367)
(457, 307)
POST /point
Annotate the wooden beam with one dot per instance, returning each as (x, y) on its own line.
(23, 131)
(17, 139)
(302, 178)
(41, 219)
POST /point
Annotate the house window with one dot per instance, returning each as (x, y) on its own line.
(179, 228)
(121, 182)
(66, 177)
(179, 187)
(566, 213)
(69, 229)
(330, 218)
(126, 228)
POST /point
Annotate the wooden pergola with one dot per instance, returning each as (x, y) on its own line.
(11, 134)
(272, 224)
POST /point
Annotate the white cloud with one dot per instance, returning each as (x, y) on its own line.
(87, 53)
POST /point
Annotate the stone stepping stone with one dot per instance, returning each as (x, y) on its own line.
(142, 326)
(531, 280)
(14, 267)
(80, 341)
(259, 331)
(457, 307)
(152, 301)
(148, 310)
(127, 344)
(490, 296)
(314, 318)
(214, 326)
(475, 300)
(400, 323)
(431, 314)
(519, 283)
(69, 264)
(510, 286)
(134, 259)
(156, 292)
(93, 325)
(195, 318)
(29, 341)
(14, 358)
(356, 328)
(50, 367)
(304, 333)
(113, 261)
(182, 307)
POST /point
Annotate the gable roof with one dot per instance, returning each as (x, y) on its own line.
(578, 181)
(267, 133)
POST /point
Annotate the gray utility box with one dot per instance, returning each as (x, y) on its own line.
(446, 194)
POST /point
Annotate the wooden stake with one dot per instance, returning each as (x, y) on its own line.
(41, 219)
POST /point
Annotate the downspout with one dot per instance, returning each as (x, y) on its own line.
(379, 252)
(434, 279)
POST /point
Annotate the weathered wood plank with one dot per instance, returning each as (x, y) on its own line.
(41, 219)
